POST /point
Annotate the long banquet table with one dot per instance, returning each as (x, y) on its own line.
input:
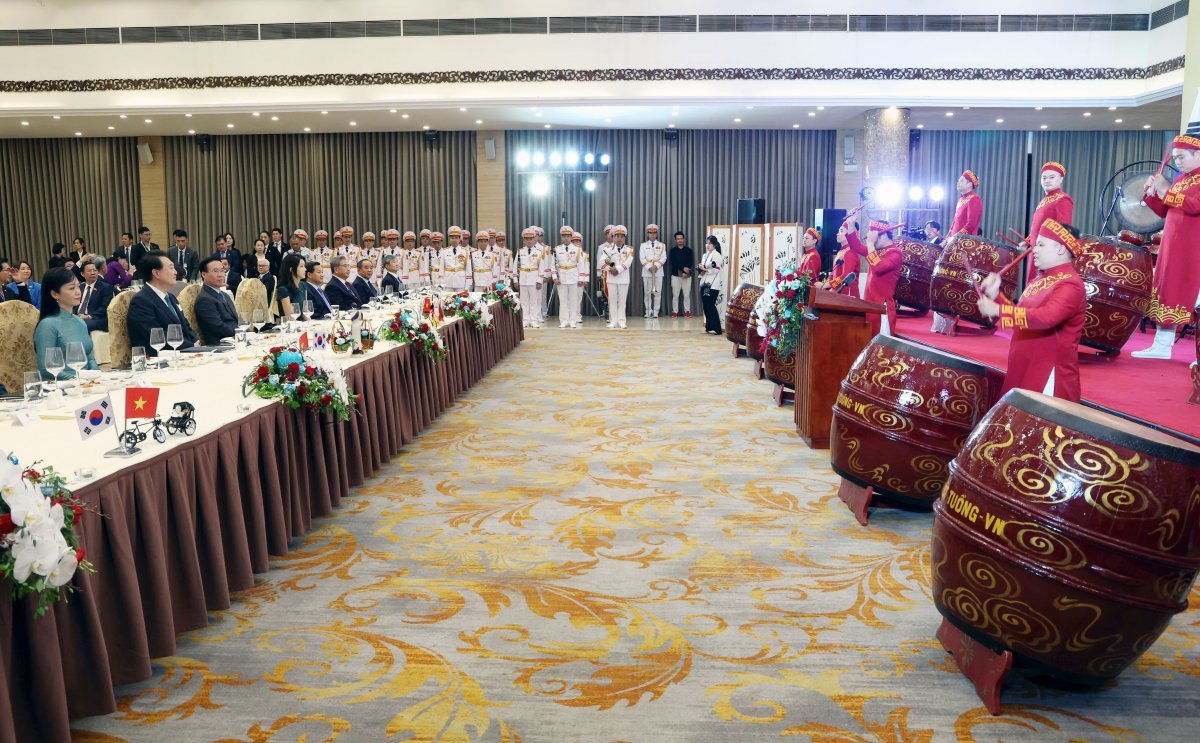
(173, 535)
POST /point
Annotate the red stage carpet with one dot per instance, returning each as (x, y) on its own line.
(1156, 390)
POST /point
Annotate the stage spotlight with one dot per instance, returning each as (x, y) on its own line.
(936, 193)
(555, 159)
(916, 193)
(589, 185)
(539, 159)
(605, 159)
(522, 159)
(572, 158)
(589, 158)
(888, 194)
(539, 185)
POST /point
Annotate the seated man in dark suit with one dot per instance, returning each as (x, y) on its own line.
(391, 273)
(216, 313)
(362, 283)
(97, 295)
(154, 306)
(314, 276)
(266, 277)
(338, 290)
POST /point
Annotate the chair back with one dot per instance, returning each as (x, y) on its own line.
(17, 354)
(119, 350)
(187, 303)
(251, 296)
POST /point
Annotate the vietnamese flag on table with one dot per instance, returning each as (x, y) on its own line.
(141, 402)
(303, 342)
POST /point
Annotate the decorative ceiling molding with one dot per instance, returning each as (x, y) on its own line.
(967, 74)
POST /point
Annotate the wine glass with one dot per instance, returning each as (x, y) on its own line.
(241, 328)
(293, 314)
(157, 341)
(308, 310)
(54, 362)
(259, 320)
(76, 357)
(175, 339)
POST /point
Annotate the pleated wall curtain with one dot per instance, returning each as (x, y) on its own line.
(683, 185)
(53, 190)
(370, 181)
(1091, 159)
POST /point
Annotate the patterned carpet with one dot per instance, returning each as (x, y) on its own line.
(615, 536)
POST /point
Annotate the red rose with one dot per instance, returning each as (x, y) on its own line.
(425, 327)
(80, 554)
(293, 367)
(277, 349)
(790, 294)
(6, 524)
(32, 474)
(310, 370)
(302, 390)
(326, 400)
(77, 511)
(263, 371)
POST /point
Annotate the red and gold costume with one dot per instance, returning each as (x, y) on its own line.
(1056, 205)
(1046, 325)
(968, 215)
(1177, 271)
(810, 262)
(844, 264)
(883, 273)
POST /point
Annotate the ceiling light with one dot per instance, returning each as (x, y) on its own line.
(1118, 121)
(522, 159)
(149, 121)
(191, 131)
(545, 126)
(1145, 126)
(589, 184)
(404, 116)
(57, 117)
(795, 126)
(255, 113)
(324, 113)
(353, 123)
(916, 193)
(555, 159)
(538, 114)
(812, 113)
(229, 126)
(999, 121)
(571, 158)
(737, 121)
(1087, 113)
(605, 159)
(820, 108)
(539, 158)
(920, 126)
(749, 108)
(308, 129)
(274, 118)
(123, 116)
(589, 158)
(539, 185)
(888, 194)
(391, 110)
(462, 109)
(670, 126)
(936, 193)
(112, 128)
(186, 116)
(478, 121)
(78, 134)
(949, 113)
(1043, 126)
(1112, 108)
(24, 123)
(966, 108)
(1037, 108)
(426, 127)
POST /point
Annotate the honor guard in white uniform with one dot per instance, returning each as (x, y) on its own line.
(303, 239)
(483, 263)
(545, 274)
(431, 257)
(653, 255)
(410, 260)
(570, 274)
(615, 261)
(491, 233)
(319, 246)
(508, 271)
(456, 268)
(529, 277)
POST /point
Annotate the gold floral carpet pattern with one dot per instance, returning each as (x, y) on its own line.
(615, 536)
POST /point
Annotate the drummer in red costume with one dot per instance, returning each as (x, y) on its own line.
(1176, 290)
(969, 213)
(884, 262)
(1056, 205)
(810, 261)
(1048, 321)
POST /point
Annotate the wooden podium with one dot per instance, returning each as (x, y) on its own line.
(827, 349)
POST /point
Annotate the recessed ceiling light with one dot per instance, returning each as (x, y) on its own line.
(112, 128)
(1037, 108)
(820, 108)
(186, 116)
(920, 126)
(1145, 126)
(462, 109)
(229, 126)
(670, 126)
(538, 114)
(353, 123)
(965, 108)
(391, 110)
(324, 113)
(24, 123)
(57, 117)
(949, 113)
(274, 118)
(149, 121)
(545, 126)
(737, 121)
(749, 108)
(78, 134)
(191, 131)
(478, 121)
(123, 116)
(404, 116)
(812, 113)
(1043, 126)
(999, 121)
(1112, 108)
(425, 127)
(1087, 113)
(308, 129)
(255, 113)
(1118, 121)
(795, 126)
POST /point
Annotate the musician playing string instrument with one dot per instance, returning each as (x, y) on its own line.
(1176, 290)
(884, 261)
(1056, 205)
(1048, 321)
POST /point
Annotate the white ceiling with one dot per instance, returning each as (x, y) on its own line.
(1163, 114)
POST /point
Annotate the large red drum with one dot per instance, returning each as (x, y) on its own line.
(920, 260)
(1067, 536)
(780, 369)
(754, 345)
(1117, 276)
(737, 314)
(904, 411)
(950, 290)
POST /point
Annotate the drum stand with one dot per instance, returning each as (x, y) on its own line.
(782, 394)
(1195, 398)
(759, 372)
(955, 328)
(909, 312)
(984, 667)
(857, 499)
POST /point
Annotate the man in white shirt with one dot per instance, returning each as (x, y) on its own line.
(529, 277)
(456, 273)
(571, 271)
(653, 255)
(615, 260)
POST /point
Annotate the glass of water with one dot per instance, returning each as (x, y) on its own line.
(33, 387)
(137, 360)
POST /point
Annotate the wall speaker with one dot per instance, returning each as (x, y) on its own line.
(145, 157)
(489, 148)
(431, 136)
(670, 135)
(752, 211)
(204, 142)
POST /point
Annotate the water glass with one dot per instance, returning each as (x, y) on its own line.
(137, 360)
(33, 386)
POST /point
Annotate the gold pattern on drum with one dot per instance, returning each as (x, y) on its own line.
(870, 474)
(885, 372)
(1118, 265)
(1001, 615)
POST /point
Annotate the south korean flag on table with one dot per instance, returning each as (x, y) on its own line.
(94, 417)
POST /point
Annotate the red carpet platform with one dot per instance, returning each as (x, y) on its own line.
(1155, 390)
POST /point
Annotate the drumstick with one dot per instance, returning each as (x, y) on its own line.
(971, 273)
(1020, 237)
(1007, 239)
(1015, 261)
(1165, 159)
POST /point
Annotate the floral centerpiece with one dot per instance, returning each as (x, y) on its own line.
(503, 293)
(405, 327)
(785, 312)
(286, 374)
(472, 309)
(341, 340)
(39, 549)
